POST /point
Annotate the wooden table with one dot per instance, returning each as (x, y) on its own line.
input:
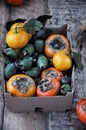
(71, 12)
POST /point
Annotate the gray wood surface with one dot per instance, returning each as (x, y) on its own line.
(71, 12)
(1, 94)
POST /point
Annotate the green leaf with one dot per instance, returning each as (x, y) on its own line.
(44, 18)
(33, 26)
(42, 34)
(77, 60)
(9, 23)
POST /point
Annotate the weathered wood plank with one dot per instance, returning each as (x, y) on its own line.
(4, 12)
(2, 37)
(66, 121)
(1, 110)
(72, 13)
(30, 9)
(1, 94)
(26, 121)
(4, 16)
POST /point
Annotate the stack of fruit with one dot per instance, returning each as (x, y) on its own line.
(37, 62)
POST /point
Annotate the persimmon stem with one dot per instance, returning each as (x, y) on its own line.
(16, 28)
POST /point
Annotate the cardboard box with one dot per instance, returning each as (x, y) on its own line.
(47, 104)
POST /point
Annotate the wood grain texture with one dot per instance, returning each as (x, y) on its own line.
(4, 16)
(30, 9)
(25, 121)
(2, 37)
(1, 110)
(4, 12)
(1, 94)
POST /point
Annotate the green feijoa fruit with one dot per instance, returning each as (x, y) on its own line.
(33, 72)
(65, 80)
(39, 45)
(11, 53)
(9, 70)
(25, 64)
(28, 50)
(42, 61)
(65, 88)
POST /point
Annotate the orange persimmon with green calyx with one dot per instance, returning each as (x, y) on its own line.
(17, 39)
(62, 61)
(21, 85)
(15, 2)
(55, 43)
(48, 87)
(52, 72)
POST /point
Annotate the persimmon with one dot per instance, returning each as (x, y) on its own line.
(21, 85)
(81, 110)
(17, 39)
(52, 72)
(55, 43)
(48, 87)
(62, 61)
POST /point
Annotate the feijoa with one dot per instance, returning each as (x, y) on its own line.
(33, 72)
(65, 80)
(25, 64)
(9, 70)
(65, 88)
(11, 53)
(28, 50)
(42, 61)
(39, 45)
